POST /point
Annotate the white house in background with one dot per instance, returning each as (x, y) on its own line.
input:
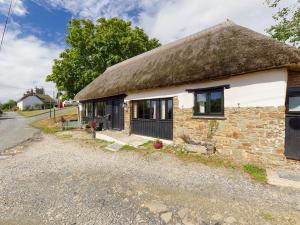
(35, 100)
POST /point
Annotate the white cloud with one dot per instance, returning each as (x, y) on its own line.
(24, 64)
(172, 19)
(178, 18)
(18, 7)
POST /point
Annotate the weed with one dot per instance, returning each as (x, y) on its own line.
(267, 216)
(256, 172)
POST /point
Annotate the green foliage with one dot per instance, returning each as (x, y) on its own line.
(9, 105)
(128, 148)
(256, 172)
(287, 27)
(95, 47)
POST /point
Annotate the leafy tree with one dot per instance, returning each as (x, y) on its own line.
(93, 48)
(287, 18)
(9, 105)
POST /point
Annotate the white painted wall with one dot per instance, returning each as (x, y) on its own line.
(29, 101)
(259, 89)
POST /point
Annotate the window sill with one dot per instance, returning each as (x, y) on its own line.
(209, 117)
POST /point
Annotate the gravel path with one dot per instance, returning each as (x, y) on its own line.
(60, 181)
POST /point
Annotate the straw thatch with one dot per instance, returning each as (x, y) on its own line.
(223, 50)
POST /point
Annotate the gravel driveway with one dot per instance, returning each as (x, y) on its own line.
(60, 181)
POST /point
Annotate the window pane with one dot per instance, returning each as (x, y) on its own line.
(201, 103)
(140, 109)
(147, 109)
(294, 104)
(170, 109)
(135, 110)
(163, 109)
(153, 110)
(90, 109)
(216, 102)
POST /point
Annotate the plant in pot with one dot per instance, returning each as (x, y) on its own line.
(93, 126)
(157, 144)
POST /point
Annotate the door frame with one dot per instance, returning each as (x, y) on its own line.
(120, 119)
(291, 115)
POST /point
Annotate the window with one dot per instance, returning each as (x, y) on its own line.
(144, 109)
(88, 109)
(293, 100)
(100, 109)
(153, 110)
(166, 109)
(163, 109)
(135, 110)
(294, 104)
(209, 102)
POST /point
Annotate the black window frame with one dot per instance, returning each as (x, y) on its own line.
(103, 108)
(166, 109)
(86, 108)
(158, 103)
(208, 92)
(144, 112)
(292, 92)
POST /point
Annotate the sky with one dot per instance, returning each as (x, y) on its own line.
(37, 29)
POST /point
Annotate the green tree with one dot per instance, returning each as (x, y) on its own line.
(9, 105)
(93, 48)
(287, 27)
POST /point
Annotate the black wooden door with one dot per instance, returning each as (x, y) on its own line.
(292, 124)
(117, 114)
(292, 137)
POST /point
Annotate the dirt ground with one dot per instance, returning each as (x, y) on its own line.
(62, 181)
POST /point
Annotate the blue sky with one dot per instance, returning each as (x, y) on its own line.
(46, 23)
(37, 29)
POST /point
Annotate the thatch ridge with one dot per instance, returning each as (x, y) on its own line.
(223, 50)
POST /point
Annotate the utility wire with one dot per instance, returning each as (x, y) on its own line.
(6, 23)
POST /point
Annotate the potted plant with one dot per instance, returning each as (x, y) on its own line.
(93, 126)
(158, 144)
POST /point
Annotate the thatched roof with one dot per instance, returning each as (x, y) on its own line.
(224, 50)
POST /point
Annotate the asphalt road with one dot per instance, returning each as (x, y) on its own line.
(15, 129)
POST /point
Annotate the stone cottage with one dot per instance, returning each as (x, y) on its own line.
(226, 86)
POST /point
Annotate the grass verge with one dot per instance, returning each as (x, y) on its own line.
(33, 112)
(256, 172)
(50, 126)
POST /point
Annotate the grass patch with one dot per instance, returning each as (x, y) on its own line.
(51, 126)
(33, 112)
(267, 216)
(128, 148)
(256, 172)
(47, 126)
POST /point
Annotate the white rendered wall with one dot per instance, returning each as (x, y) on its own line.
(29, 101)
(259, 89)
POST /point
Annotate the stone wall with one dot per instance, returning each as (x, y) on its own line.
(255, 134)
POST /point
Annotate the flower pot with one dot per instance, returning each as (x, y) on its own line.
(158, 145)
